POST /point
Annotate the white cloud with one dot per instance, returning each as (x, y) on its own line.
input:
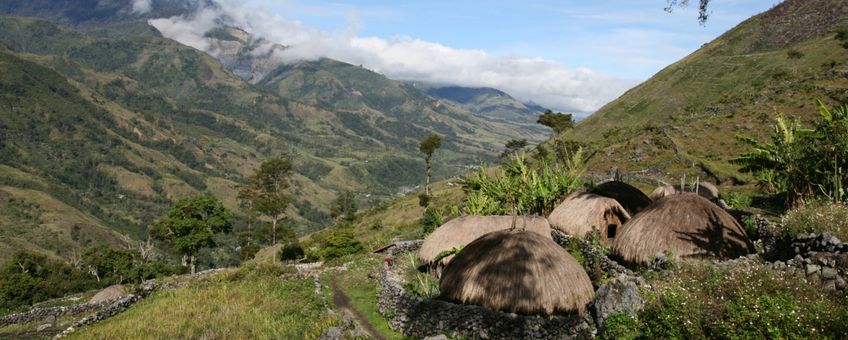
(141, 6)
(545, 82)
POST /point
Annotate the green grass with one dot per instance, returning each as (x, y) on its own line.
(230, 305)
(362, 291)
(817, 217)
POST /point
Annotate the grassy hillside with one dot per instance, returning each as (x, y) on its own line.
(487, 102)
(685, 118)
(117, 127)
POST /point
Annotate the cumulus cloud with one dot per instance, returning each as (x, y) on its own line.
(545, 82)
(141, 6)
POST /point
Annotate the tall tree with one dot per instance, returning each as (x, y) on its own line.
(344, 207)
(191, 224)
(513, 147)
(267, 190)
(428, 146)
(559, 121)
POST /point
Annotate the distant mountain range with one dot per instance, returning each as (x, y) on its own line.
(105, 123)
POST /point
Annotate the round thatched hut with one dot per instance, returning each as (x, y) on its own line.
(705, 189)
(631, 198)
(581, 212)
(461, 231)
(687, 225)
(519, 272)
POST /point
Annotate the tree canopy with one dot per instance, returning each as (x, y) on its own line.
(191, 224)
(559, 121)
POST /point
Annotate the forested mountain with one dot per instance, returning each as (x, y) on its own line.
(112, 124)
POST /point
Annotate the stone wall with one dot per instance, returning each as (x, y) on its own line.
(414, 316)
(36, 314)
(821, 259)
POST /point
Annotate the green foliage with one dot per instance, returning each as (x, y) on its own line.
(802, 164)
(338, 243)
(816, 217)
(519, 189)
(429, 145)
(513, 146)
(421, 284)
(737, 200)
(266, 191)
(291, 251)
(432, 219)
(28, 278)
(620, 326)
(110, 265)
(559, 121)
(191, 225)
(445, 253)
(700, 300)
(344, 207)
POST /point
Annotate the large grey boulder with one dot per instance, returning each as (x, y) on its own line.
(621, 295)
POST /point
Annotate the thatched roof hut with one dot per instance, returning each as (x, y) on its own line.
(631, 198)
(687, 225)
(581, 212)
(705, 189)
(519, 272)
(461, 231)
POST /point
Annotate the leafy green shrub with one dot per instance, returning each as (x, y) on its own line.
(620, 326)
(27, 278)
(340, 243)
(800, 163)
(519, 189)
(817, 217)
(291, 251)
(432, 219)
(737, 200)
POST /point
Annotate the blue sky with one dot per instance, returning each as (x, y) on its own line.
(625, 38)
(571, 56)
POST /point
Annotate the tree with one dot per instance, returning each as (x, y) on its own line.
(703, 15)
(513, 146)
(191, 224)
(267, 191)
(559, 121)
(110, 264)
(344, 207)
(428, 146)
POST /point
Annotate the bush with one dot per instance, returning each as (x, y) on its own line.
(340, 243)
(700, 300)
(432, 219)
(738, 200)
(291, 252)
(28, 278)
(817, 217)
(620, 326)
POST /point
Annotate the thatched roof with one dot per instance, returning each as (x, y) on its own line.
(517, 271)
(705, 189)
(631, 198)
(581, 212)
(461, 231)
(687, 225)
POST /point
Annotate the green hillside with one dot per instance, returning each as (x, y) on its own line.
(117, 126)
(686, 117)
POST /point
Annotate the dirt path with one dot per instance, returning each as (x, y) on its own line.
(342, 302)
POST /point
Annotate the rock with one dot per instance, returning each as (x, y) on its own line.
(621, 295)
(332, 333)
(812, 269)
(112, 292)
(41, 328)
(840, 283)
(829, 286)
(829, 273)
(437, 337)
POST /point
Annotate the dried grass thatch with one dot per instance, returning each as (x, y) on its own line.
(461, 231)
(519, 272)
(631, 198)
(705, 189)
(581, 212)
(687, 225)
